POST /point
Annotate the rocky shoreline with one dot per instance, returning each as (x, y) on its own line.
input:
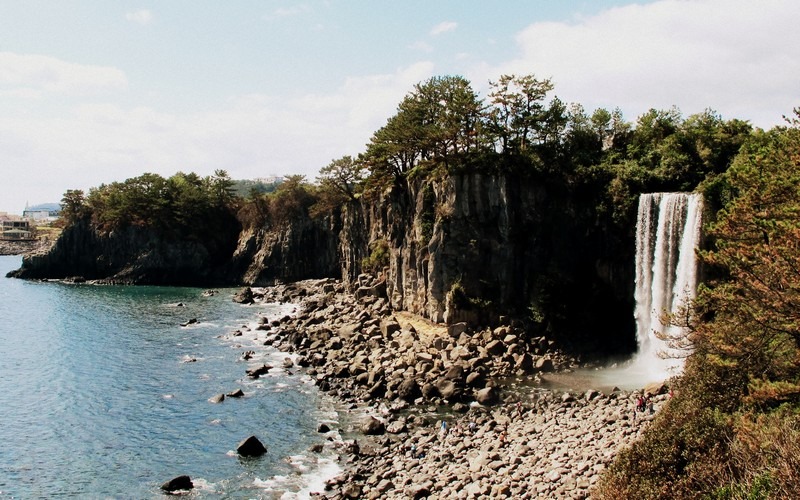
(435, 414)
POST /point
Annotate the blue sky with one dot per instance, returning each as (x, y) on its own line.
(99, 91)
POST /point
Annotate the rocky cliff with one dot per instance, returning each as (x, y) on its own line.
(303, 248)
(475, 247)
(133, 255)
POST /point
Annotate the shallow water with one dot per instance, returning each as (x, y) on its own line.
(105, 395)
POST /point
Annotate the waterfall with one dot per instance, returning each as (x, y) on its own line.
(667, 234)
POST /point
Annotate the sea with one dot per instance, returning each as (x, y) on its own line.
(104, 394)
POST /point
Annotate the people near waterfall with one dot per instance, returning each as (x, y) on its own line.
(644, 403)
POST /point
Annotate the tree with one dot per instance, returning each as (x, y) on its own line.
(518, 114)
(440, 118)
(73, 206)
(342, 176)
(755, 301)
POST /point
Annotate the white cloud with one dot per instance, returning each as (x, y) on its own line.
(283, 12)
(735, 56)
(32, 75)
(421, 46)
(142, 16)
(443, 27)
(250, 136)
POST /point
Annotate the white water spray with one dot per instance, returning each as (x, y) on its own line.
(667, 234)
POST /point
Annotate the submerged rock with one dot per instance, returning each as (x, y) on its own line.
(178, 484)
(251, 447)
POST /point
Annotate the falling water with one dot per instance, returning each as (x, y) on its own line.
(667, 234)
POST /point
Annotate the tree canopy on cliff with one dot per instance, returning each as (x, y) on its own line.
(183, 204)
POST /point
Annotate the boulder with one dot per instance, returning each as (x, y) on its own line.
(455, 372)
(456, 329)
(219, 398)
(245, 296)
(408, 390)
(351, 490)
(251, 447)
(189, 322)
(656, 388)
(496, 348)
(180, 483)
(373, 427)
(238, 393)
(396, 427)
(389, 326)
(448, 389)
(544, 364)
(486, 396)
(258, 371)
(323, 428)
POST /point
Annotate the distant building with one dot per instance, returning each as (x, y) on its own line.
(15, 228)
(45, 212)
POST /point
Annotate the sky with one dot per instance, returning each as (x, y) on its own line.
(93, 92)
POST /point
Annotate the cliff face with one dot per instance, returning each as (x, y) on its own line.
(472, 247)
(132, 255)
(303, 249)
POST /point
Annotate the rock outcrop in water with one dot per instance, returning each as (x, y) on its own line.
(133, 255)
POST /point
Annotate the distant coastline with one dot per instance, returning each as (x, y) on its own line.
(20, 247)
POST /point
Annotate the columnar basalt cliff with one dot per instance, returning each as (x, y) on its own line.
(133, 255)
(303, 248)
(473, 247)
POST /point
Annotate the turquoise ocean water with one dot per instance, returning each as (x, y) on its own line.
(105, 395)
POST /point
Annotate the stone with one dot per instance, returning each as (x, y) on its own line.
(389, 326)
(179, 483)
(455, 372)
(373, 427)
(351, 490)
(456, 329)
(496, 348)
(219, 398)
(656, 388)
(189, 322)
(238, 393)
(408, 390)
(245, 296)
(251, 447)
(258, 371)
(323, 428)
(448, 389)
(486, 396)
(544, 364)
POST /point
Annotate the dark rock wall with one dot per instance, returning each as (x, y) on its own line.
(132, 255)
(473, 247)
(304, 249)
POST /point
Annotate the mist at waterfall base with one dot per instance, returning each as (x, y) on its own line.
(667, 235)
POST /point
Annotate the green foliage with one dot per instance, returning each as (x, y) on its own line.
(733, 431)
(378, 257)
(73, 206)
(342, 178)
(427, 218)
